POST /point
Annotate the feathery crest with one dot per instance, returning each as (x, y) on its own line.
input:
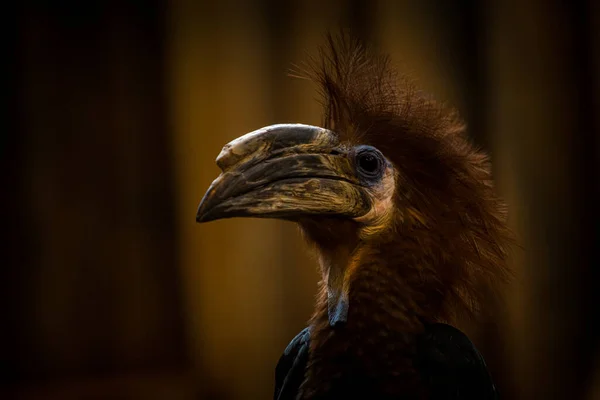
(450, 214)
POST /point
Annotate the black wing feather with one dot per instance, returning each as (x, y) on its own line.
(451, 366)
(289, 372)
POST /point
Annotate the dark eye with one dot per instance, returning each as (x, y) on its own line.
(369, 162)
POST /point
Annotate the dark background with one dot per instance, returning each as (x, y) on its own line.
(116, 112)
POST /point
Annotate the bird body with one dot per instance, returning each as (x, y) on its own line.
(401, 211)
(445, 365)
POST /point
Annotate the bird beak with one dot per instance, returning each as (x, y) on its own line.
(284, 171)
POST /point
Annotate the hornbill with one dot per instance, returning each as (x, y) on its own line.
(409, 232)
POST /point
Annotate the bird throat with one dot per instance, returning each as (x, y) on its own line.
(336, 254)
(337, 296)
(336, 269)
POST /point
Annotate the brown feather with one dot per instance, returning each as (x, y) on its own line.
(446, 249)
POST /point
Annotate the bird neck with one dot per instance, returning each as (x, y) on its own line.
(362, 275)
(378, 339)
(382, 296)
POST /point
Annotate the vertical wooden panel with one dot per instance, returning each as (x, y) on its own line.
(219, 74)
(98, 290)
(404, 30)
(542, 121)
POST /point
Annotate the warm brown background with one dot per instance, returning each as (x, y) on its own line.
(109, 290)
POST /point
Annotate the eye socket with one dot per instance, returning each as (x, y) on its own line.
(369, 162)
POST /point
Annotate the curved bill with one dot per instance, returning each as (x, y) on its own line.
(284, 171)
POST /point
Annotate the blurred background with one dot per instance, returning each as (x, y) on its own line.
(117, 111)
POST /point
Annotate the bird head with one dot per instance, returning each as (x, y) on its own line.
(387, 188)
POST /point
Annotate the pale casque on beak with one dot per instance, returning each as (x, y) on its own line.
(285, 171)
